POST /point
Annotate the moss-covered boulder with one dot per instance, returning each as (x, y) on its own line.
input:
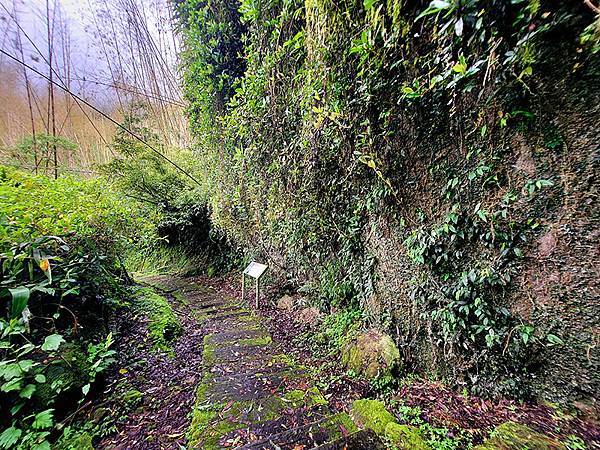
(515, 436)
(405, 437)
(371, 414)
(371, 354)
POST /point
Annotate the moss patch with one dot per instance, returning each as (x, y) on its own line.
(75, 441)
(371, 414)
(163, 325)
(515, 436)
(405, 437)
(310, 397)
(371, 354)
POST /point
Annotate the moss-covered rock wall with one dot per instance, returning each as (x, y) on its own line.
(434, 164)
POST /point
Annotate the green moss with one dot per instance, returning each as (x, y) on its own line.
(299, 398)
(210, 422)
(371, 414)
(371, 354)
(332, 425)
(208, 352)
(405, 437)
(74, 440)
(163, 325)
(515, 436)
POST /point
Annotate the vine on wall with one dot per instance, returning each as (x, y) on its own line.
(313, 117)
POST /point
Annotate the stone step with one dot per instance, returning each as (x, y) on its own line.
(312, 435)
(214, 425)
(233, 336)
(361, 440)
(287, 419)
(248, 386)
(241, 353)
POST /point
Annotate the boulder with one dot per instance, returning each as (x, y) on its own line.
(405, 437)
(309, 316)
(371, 354)
(286, 302)
(515, 436)
(371, 414)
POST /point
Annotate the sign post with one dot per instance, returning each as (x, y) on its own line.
(254, 270)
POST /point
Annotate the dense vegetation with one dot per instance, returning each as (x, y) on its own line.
(408, 159)
(61, 242)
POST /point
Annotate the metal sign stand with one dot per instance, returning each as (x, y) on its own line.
(254, 270)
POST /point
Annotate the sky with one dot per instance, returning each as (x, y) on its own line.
(87, 52)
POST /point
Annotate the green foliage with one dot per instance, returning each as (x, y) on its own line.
(35, 206)
(177, 215)
(337, 328)
(61, 242)
(437, 438)
(35, 375)
(38, 153)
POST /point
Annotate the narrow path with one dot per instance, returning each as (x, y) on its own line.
(150, 398)
(251, 394)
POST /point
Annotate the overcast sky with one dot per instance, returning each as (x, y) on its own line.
(83, 18)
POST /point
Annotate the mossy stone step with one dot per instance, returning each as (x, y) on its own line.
(286, 419)
(237, 335)
(252, 386)
(257, 365)
(219, 315)
(240, 353)
(312, 435)
(361, 440)
(212, 423)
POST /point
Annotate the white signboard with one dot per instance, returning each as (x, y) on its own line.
(255, 270)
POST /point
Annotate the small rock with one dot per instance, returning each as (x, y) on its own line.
(405, 437)
(286, 302)
(515, 436)
(309, 316)
(371, 414)
(371, 354)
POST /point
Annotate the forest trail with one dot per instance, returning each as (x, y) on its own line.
(249, 393)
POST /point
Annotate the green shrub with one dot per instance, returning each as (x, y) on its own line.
(61, 272)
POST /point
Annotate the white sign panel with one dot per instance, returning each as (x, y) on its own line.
(255, 270)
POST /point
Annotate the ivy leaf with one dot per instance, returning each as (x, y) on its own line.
(52, 342)
(10, 437)
(28, 391)
(40, 378)
(9, 371)
(45, 445)
(20, 297)
(12, 385)
(85, 389)
(43, 420)
(369, 4)
(554, 340)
